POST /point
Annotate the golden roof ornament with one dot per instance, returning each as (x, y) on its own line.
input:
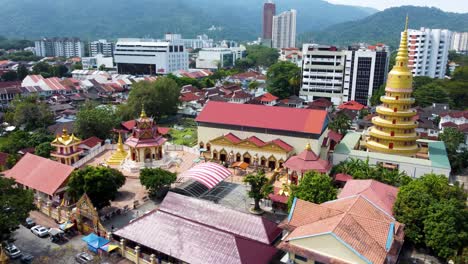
(308, 147)
(143, 113)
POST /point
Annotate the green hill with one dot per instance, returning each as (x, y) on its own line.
(385, 26)
(240, 20)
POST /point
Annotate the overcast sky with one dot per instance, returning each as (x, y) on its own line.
(459, 6)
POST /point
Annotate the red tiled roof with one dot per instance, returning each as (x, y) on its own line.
(233, 138)
(276, 197)
(40, 174)
(449, 124)
(456, 114)
(163, 130)
(320, 103)
(381, 194)
(255, 140)
(246, 75)
(188, 97)
(129, 125)
(240, 94)
(285, 146)
(91, 142)
(266, 117)
(335, 136)
(352, 105)
(267, 97)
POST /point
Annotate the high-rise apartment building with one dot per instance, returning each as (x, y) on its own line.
(202, 41)
(59, 47)
(460, 42)
(150, 56)
(284, 30)
(343, 75)
(269, 10)
(101, 46)
(428, 51)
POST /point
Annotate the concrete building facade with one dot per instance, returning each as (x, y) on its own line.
(211, 58)
(284, 30)
(59, 47)
(149, 56)
(460, 42)
(200, 42)
(269, 10)
(101, 46)
(428, 51)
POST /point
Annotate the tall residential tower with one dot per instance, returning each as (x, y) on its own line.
(394, 130)
(269, 10)
(284, 30)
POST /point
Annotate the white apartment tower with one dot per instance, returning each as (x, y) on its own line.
(428, 51)
(460, 42)
(284, 30)
(343, 75)
(59, 47)
(101, 46)
(150, 56)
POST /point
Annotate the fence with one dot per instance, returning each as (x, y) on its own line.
(92, 155)
(172, 147)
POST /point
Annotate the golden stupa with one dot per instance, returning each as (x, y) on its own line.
(119, 155)
(394, 129)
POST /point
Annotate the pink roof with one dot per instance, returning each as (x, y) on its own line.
(352, 105)
(266, 117)
(381, 194)
(40, 174)
(233, 138)
(343, 177)
(91, 142)
(307, 160)
(141, 143)
(36, 78)
(255, 140)
(54, 83)
(209, 174)
(285, 146)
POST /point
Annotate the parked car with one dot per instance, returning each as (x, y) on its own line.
(40, 231)
(12, 251)
(29, 222)
(27, 258)
(84, 257)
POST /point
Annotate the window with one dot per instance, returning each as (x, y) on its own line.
(301, 258)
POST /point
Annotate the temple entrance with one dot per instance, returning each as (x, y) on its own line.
(86, 218)
(272, 163)
(215, 155)
(263, 161)
(247, 158)
(223, 155)
(280, 163)
(147, 154)
(238, 157)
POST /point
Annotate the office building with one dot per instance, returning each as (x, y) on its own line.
(59, 47)
(343, 75)
(97, 61)
(428, 51)
(101, 46)
(200, 42)
(460, 42)
(284, 30)
(212, 58)
(150, 56)
(269, 10)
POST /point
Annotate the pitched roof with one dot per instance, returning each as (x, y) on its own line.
(267, 117)
(354, 220)
(307, 160)
(197, 231)
(352, 105)
(381, 194)
(456, 114)
(267, 97)
(92, 141)
(40, 174)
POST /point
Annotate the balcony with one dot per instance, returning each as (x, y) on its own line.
(396, 137)
(393, 100)
(398, 124)
(387, 111)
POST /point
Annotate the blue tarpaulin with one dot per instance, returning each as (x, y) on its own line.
(94, 242)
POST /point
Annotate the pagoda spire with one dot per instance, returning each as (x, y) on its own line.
(143, 113)
(394, 130)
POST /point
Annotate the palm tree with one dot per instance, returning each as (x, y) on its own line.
(259, 188)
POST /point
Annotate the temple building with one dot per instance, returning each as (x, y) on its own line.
(306, 161)
(67, 151)
(145, 144)
(260, 135)
(394, 129)
(393, 142)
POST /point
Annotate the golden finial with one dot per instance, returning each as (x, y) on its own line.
(406, 24)
(120, 147)
(308, 147)
(143, 113)
(64, 131)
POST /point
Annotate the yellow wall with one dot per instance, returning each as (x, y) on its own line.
(328, 245)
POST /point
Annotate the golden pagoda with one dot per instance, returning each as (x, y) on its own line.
(119, 155)
(394, 130)
(67, 151)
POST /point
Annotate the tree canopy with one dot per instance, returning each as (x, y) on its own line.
(92, 120)
(43, 150)
(21, 139)
(434, 214)
(313, 187)
(156, 179)
(340, 124)
(15, 205)
(430, 93)
(257, 56)
(452, 139)
(282, 79)
(160, 98)
(260, 187)
(29, 112)
(101, 184)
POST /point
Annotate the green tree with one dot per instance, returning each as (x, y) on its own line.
(15, 205)
(43, 150)
(42, 68)
(341, 124)
(244, 64)
(278, 79)
(160, 98)
(102, 67)
(207, 82)
(12, 159)
(313, 187)
(59, 70)
(92, 120)
(261, 56)
(452, 139)
(21, 139)
(375, 99)
(10, 76)
(30, 113)
(420, 81)
(434, 213)
(157, 179)
(430, 93)
(461, 74)
(22, 72)
(101, 184)
(77, 66)
(260, 188)
(253, 85)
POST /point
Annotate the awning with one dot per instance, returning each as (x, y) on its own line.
(240, 165)
(55, 231)
(95, 242)
(66, 226)
(109, 247)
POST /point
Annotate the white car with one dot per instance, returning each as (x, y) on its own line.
(40, 231)
(12, 251)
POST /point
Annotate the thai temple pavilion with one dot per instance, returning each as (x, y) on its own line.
(67, 151)
(306, 161)
(145, 142)
(394, 129)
